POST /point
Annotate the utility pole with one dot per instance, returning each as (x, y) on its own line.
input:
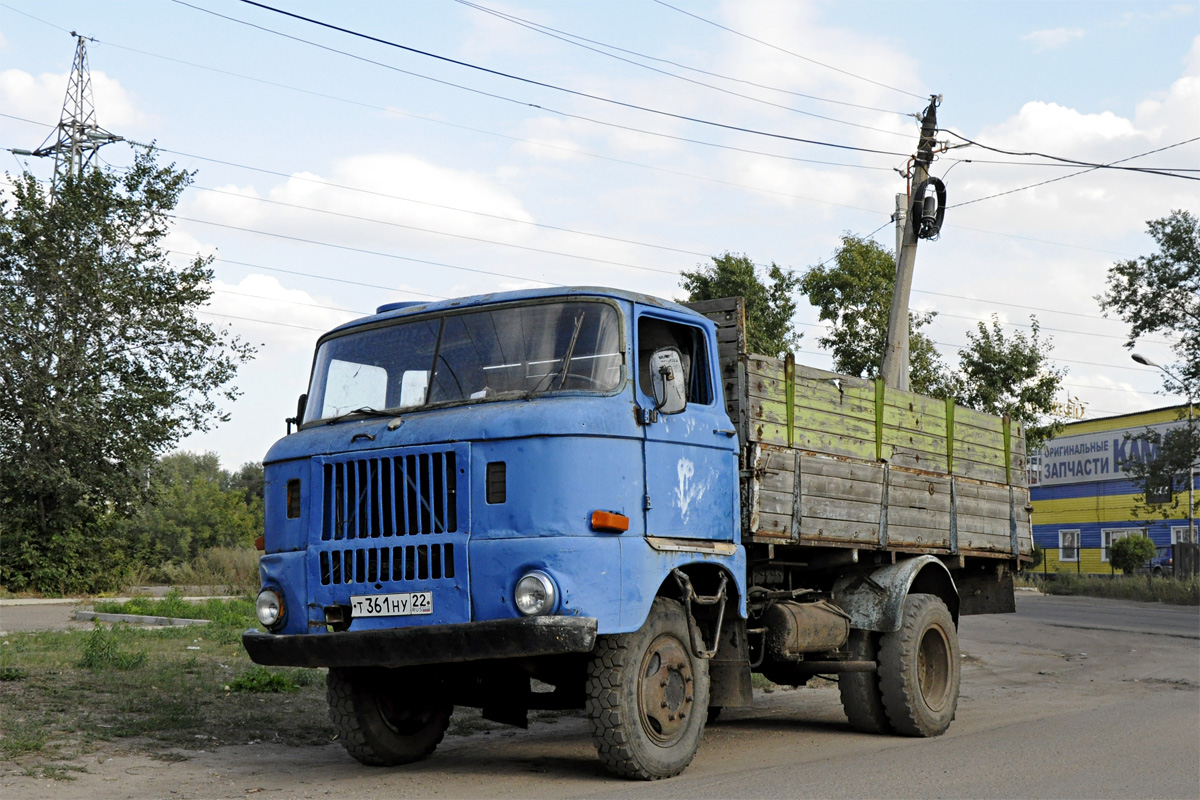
(921, 220)
(77, 136)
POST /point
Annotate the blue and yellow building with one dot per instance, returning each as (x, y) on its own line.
(1083, 501)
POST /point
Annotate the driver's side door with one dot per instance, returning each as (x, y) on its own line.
(690, 456)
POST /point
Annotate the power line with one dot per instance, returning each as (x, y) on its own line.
(313, 275)
(788, 52)
(1080, 172)
(445, 233)
(218, 315)
(544, 28)
(363, 250)
(530, 81)
(1092, 165)
(554, 34)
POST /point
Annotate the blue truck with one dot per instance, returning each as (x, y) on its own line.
(585, 498)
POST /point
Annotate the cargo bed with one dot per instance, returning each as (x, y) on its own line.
(830, 460)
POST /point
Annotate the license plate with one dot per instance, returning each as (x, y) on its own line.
(403, 604)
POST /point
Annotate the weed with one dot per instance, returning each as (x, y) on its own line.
(22, 737)
(54, 772)
(13, 674)
(260, 680)
(103, 650)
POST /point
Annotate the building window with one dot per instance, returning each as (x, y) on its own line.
(1068, 545)
(1180, 535)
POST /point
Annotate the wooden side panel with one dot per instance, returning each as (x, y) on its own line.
(837, 501)
(918, 513)
(983, 518)
(838, 415)
(841, 501)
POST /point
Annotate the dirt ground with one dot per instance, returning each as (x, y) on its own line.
(1048, 709)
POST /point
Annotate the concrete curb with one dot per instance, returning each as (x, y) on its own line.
(137, 619)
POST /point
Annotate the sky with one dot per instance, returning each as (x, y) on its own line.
(479, 147)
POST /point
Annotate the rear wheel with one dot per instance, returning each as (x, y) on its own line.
(861, 697)
(381, 719)
(920, 669)
(647, 696)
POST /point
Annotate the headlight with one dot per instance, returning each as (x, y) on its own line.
(535, 594)
(269, 608)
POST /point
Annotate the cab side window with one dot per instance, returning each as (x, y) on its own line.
(655, 334)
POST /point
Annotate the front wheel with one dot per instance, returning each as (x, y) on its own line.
(647, 696)
(920, 669)
(381, 719)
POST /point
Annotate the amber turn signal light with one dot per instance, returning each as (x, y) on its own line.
(609, 522)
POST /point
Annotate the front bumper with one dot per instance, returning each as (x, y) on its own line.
(428, 644)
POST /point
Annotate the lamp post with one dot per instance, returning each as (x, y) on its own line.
(1141, 359)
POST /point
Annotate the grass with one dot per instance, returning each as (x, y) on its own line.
(229, 612)
(1142, 588)
(65, 694)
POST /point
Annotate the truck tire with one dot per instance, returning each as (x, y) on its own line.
(920, 669)
(384, 723)
(861, 697)
(647, 697)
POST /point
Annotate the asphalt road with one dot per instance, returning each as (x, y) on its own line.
(1069, 697)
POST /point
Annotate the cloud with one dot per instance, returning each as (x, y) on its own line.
(40, 98)
(284, 320)
(1053, 38)
(404, 203)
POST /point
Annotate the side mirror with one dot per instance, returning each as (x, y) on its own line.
(668, 381)
(301, 407)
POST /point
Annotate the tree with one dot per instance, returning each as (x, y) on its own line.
(1131, 552)
(103, 364)
(1162, 475)
(769, 308)
(192, 508)
(1160, 294)
(249, 480)
(1011, 375)
(855, 296)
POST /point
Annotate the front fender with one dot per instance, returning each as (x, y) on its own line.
(875, 600)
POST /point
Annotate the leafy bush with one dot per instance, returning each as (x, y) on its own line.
(1131, 552)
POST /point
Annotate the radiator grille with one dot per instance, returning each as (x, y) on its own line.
(420, 562)
(406, 495)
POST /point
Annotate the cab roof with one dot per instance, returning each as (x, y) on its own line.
(405, 309)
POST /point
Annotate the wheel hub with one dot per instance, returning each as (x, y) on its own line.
(933, 668)
(665, 690)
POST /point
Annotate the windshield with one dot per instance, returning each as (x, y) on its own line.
(504, 352)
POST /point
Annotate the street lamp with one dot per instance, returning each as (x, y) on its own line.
(1141, 359)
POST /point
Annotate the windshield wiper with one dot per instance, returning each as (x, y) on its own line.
(565, 367)
(365, 411)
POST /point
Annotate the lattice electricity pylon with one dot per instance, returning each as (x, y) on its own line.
(78, 136)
